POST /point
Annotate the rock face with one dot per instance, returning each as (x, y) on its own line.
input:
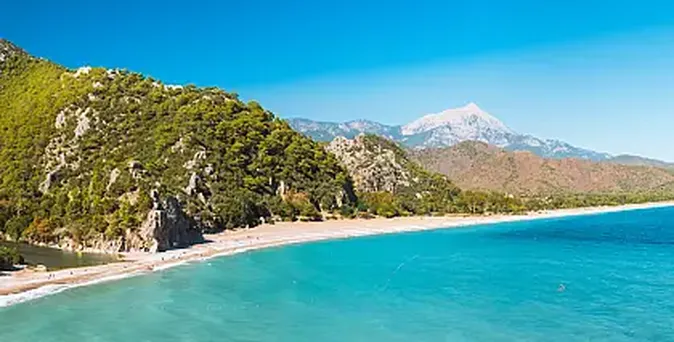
(167, 227)
(8, 51)
(378, 165)
(372, 167)
(388, 181)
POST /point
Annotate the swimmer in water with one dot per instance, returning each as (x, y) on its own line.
(561, 288)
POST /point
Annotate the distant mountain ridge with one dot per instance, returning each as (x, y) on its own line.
(476, 165)
(327, 131)
(627, 159)
(450, 127)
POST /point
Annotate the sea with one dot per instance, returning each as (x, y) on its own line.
(604, 277)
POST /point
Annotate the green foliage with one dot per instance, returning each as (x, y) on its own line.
(9, 257)
(595, 200)
(238, 210)
(40, 230)
(383, 204)
(107, 138)
(15, 226)
(477, 202)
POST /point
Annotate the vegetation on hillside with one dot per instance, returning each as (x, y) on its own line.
(81, 151)
(8, 258)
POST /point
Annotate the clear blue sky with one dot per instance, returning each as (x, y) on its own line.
(598, 74)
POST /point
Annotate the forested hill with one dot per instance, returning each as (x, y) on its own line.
(104, 158)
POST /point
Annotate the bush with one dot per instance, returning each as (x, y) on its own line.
(40, 230)
(9, 257)
(382, 204)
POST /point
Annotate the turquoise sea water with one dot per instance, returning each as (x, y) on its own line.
(595, 278)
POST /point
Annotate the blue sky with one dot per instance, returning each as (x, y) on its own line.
(598, 74)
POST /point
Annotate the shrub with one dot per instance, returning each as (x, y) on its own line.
(9, 257)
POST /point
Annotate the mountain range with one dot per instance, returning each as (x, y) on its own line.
(452, 126)
(479, 166)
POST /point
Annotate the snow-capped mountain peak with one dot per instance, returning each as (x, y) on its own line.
(467, 120)
(447, 128)
(452, 126)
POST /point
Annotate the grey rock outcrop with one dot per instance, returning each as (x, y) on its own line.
(167, 226)
(7, 51)
(373, 167)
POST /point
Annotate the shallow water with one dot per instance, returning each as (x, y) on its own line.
(595, 278)
(55, 259)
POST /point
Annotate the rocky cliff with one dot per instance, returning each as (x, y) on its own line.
(382, 172)
(372, 163)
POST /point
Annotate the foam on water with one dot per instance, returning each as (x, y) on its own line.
(12, 299)
(601, 278)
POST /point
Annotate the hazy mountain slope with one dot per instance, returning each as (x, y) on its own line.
(475, 165)
(626, 159)
(327, 131)
(550, 148)
(447, 128)
(115, 160)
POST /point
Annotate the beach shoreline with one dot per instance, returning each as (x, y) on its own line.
(21, 286)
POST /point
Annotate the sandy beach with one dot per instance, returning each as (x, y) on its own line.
(24, 285)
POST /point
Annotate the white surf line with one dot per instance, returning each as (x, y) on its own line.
(47, 290)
